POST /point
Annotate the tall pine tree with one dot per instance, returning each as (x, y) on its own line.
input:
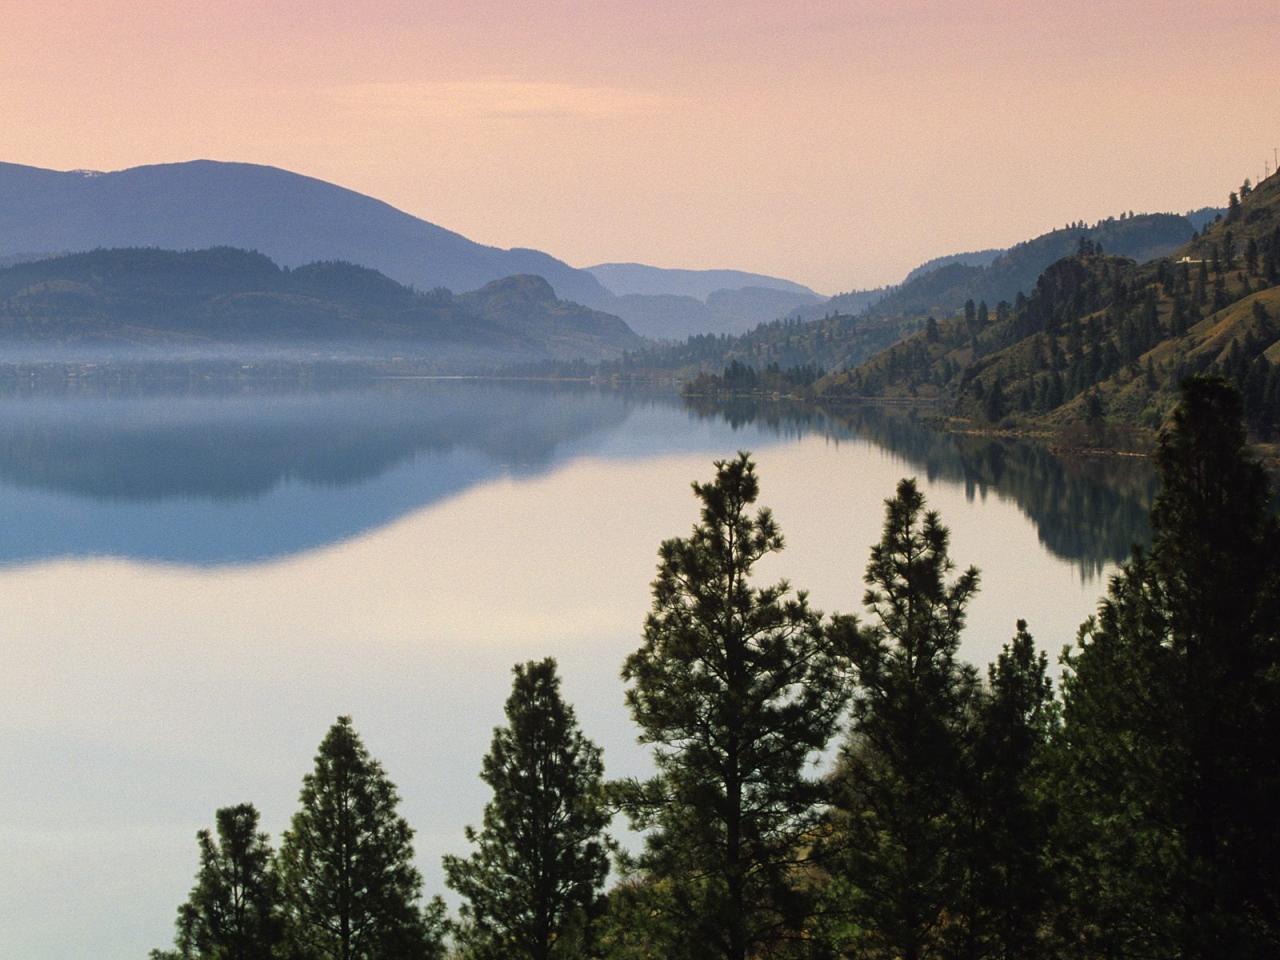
(1171, 711)
(898, 840)
(1011, 884)
(532, 886)
(738, 689)
(350, 888)
(233, 911)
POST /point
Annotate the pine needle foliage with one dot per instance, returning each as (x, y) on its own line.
(738, 688)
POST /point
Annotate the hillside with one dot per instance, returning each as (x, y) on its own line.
(975, 258)
(226, 296)
(850, 328)
(639, 278)
(1102, 341)
(670, 304)
(945, 290)
(293, 219)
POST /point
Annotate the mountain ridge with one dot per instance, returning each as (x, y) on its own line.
(291, 217)
(223, 295)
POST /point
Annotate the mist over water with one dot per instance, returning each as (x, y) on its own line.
(197, 578)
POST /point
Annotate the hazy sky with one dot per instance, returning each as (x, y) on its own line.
(837, 143)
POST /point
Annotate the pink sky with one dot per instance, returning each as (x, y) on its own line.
(837, 143)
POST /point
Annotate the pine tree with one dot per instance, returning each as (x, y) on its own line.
(350, 888)
(898, 836)
(233, 911)
(1013, 884)
(739, 689)
(1171, 710)
(532, 885)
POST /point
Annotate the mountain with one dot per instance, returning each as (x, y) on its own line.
(638, 278)
(1102, 342)
(528, 305)
(872, 349)
(944, 290)
(943, 284)
(226, 296)
(293, 219)
(669, 304)
(976, 258)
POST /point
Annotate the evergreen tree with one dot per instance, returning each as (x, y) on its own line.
(233, 911)
(739, 689)
(993, 404)
(350, 888)
(533, 883)
(1171, 712)
(898, 834)
(1013, 884)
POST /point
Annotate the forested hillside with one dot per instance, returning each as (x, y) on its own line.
(1104, 339)
(944, 291)
(228, 296)
(849, 329)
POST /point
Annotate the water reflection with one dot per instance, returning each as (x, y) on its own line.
(212, 474)
(242, 472)
(389, 550)
(1090, 510)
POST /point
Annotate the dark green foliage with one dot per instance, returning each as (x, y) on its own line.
(993, 403)
(351, 891)
(899, 839)
(738, 689)
(1011, 812)
(1171, 713)
(233, 911)
(532, 885)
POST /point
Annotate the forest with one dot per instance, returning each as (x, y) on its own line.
(842, 786)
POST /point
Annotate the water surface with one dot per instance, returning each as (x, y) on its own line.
(195, 580)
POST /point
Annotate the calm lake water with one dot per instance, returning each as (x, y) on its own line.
(195, 581)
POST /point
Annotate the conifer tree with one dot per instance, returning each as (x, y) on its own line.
(351, 891)
(233, 911)
(1171, 710)
(1012, 881)
(532, 885)
(738, 688)
(898, 838)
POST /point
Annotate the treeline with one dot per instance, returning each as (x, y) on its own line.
(1129, 813)
(740, 378)
(1102, 338)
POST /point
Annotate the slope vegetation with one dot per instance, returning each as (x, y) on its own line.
(1104, 340)
(229, 296)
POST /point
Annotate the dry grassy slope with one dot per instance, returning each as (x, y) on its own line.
(1128, 397)
(918, 367)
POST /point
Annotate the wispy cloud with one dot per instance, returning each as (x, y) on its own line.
(494, 99)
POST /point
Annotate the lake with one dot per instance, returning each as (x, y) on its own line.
(197, 578)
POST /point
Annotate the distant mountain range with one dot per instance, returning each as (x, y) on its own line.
(296, 220)
(638, 278)
(844, 331)
(292, 219)
(221, 296)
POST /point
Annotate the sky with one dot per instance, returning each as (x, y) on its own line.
(835, 143)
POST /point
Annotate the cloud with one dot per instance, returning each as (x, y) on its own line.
(493, 99)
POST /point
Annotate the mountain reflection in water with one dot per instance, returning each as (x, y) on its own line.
(218, 473)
